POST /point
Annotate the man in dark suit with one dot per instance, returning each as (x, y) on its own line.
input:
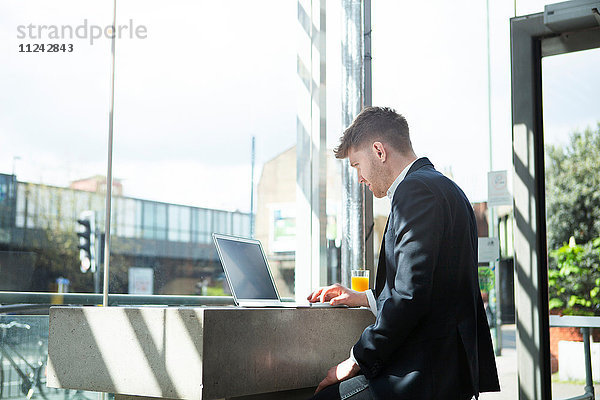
(430, 340)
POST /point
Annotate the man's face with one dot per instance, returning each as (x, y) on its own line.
(369, 169)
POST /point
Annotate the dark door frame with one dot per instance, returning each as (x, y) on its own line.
(530, 41)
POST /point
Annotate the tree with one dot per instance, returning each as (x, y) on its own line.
(573, 210)
(573, 189)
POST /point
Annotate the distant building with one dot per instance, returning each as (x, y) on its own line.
(97, 184)
(276, 213)
(37, 236)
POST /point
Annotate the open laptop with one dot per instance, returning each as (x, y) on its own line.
(248, 273)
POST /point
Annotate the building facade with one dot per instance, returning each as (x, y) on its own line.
(38, 236)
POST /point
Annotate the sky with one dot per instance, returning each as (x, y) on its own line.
(210, 75)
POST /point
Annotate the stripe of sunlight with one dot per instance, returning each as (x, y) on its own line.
(120, 347)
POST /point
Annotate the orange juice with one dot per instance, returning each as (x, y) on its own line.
(360, 283)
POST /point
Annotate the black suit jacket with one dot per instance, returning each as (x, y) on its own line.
(431, 339)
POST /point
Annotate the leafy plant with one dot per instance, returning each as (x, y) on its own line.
(486, 279)
(572, 195)
(574, 278)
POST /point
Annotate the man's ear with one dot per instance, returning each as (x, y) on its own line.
(379, 151)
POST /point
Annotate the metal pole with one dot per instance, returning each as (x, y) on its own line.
(109, 170)
(252, 160)
(15, 158)
(589, 384)
(102, 395)
(492, 222)
(353, 233)
(368, 79)
(98, 263)
(368, 222)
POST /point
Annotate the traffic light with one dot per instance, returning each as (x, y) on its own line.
(86, 231)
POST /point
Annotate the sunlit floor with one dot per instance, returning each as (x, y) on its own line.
(507, 370)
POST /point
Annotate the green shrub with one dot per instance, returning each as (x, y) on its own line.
(486, 279)
(574, 278)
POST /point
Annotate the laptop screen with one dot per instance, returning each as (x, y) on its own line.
(246, 268)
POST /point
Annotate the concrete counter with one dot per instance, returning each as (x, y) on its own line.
(197, 353)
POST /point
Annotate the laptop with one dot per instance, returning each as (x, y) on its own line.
(248, 273)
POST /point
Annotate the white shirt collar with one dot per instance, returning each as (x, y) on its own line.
(399, 179)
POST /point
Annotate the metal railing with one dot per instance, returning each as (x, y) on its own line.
(14, 301)
(21, 301)
(585, 323)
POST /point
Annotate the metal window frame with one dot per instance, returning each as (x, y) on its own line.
(311, 160)
(531, 40)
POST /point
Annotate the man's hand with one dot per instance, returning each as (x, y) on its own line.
(344, 370)
(337, 294)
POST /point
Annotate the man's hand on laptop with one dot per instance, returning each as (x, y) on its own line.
(337, 294)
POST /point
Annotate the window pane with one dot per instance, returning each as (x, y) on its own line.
(192, 173)
(161, 221)
(53, 131)
(571, 120)
(149, 221)
(184, 224)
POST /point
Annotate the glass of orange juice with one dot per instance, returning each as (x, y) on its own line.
(360, 280)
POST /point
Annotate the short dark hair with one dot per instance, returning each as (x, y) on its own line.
(375, 124)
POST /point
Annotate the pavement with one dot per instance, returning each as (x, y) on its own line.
(507, 372)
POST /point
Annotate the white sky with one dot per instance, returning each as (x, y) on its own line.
(211, 74)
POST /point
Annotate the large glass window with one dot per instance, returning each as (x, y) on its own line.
(53, 134)
(210, 101)
(572, 161)
(189, 98)
(53, 152)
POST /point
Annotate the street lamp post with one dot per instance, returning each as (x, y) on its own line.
(15, 158)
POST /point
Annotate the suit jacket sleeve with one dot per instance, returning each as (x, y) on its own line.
(417, 228)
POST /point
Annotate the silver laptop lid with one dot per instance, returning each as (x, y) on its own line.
(247, 270)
